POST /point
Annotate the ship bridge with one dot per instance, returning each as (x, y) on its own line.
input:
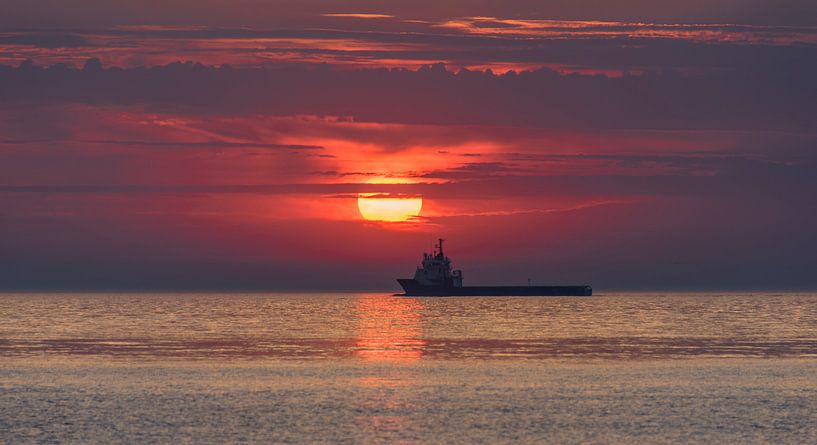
(436, 269)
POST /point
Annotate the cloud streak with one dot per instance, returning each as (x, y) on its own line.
(358, 15)
(470, 42)
(771, 99)
(562, 29)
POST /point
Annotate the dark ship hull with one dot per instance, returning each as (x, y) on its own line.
(415, 289)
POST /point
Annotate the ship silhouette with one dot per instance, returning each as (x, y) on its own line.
(435, 278)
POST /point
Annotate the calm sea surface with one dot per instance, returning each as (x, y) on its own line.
(373, 368)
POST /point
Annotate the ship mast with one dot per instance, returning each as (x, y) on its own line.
(441, 246)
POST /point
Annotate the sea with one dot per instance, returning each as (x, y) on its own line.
(370, 368)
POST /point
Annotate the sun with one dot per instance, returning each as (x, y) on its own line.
(382, 207)
(388, 209)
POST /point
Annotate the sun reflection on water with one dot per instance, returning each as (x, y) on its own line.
(389, 328)
(390, 343)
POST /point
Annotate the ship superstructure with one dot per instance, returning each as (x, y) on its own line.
(435, 277)
(436, 270)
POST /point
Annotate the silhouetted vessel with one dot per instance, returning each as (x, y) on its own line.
(436, 279)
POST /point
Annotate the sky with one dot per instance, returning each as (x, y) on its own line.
(247, 144)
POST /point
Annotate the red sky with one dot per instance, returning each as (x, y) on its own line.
(652, 145)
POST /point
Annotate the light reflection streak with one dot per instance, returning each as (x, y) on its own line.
(390, 340)
(389, 329)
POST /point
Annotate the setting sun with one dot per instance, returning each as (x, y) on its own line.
(388, 207)
(375, 207)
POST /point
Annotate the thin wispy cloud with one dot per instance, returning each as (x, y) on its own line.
(353, 15)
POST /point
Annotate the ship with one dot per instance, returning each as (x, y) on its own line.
(434, 278)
